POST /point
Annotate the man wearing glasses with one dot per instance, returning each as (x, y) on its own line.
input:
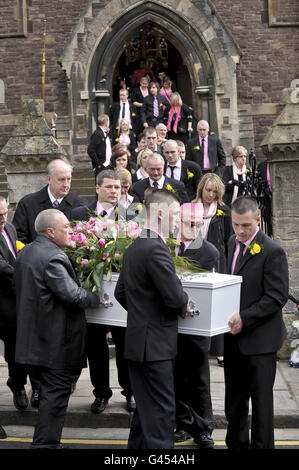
(194, 414)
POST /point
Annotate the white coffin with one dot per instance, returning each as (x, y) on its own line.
(215, 296)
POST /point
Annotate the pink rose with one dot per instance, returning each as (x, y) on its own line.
(105, 256)
(84, 261)
(101, 242)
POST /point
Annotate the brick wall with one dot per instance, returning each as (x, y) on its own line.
(269, 62)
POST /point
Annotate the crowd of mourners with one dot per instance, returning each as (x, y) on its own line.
(148, 140)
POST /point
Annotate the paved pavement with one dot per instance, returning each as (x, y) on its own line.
(286, 401)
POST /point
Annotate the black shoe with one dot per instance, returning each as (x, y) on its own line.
(99, 405)
(131, 404)
(180, 435)
(20, 400)
(34, 398)
(2, 433)
(204, 440)
(220, 362)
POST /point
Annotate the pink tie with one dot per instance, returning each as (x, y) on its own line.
(156, 109)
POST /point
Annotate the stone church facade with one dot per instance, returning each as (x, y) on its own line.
(233, 60)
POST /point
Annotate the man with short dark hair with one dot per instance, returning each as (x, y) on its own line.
(51, 322)
(150, 291)
(56, 195)
(123, 109)
(257, 330)
(99, 149)
(155, 107)
(108, 189)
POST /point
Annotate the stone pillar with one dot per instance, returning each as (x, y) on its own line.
(28, 152)
(281, 147)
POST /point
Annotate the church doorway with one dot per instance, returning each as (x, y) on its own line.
(150, 46)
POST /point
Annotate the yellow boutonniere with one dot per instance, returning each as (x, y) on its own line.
(161, 104)
(133, 114)
(139, 207)
(255, 248)
(128, 88)
(117, 139)
(19, 245)
(219, 212)
(190, 174)
(197, 147)
(169, 187)
(247, 171)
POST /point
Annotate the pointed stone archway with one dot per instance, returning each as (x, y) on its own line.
(209, 52)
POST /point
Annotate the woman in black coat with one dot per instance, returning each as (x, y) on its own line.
(137, 97)
(235, 176)
(179, 121)
(217, 229)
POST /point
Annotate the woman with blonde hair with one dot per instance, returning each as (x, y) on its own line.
(217, 229)
(127, 197)
(141, 173)
(235, 176)
(125, 136)
(180, 118)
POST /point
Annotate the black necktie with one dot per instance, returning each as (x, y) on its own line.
(155, 184)
(202, 146)
(172, 170)
(103, 213)
(124, 109)
(55, 204)
(239, 257)
(181, 249)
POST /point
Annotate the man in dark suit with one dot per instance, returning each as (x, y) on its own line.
(206, 150)
(51, 322)
(56, 194)
(182, 170)
(17, 373)
(155, 170)
(150, 291)
(123, 110)
(154, 108)
(194, 414)
(257, 330)
(99, 149)
(151, 139)
(108, 189)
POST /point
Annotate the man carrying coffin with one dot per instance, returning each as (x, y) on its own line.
(150, 291)
(257, 330)
(194, 415)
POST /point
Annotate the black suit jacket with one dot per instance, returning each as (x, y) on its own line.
(149, 289)
(32, 204)
(7, 263)
(264, 291)
(114, 111)
(191, 175)
(50, 308)
(228, 175)
(147, 109)
(141, 185)
(215, 151)
(97, 148)
(220, 230)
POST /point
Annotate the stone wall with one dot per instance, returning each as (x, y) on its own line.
(268, 64)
